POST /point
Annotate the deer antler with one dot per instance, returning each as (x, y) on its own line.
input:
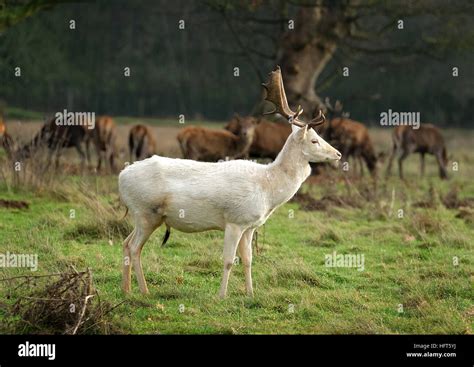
(277, 96)
(318, 120)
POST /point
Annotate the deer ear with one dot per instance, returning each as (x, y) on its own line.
(300, 131)
(305, 131)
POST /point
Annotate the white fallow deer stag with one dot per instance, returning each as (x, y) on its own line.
(234, 196)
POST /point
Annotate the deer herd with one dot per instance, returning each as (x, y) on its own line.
(242, 138)
(198, 193)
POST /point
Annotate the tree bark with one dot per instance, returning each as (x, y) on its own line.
(306, 49)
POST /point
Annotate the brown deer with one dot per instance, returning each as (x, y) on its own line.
(353, 140)
(205, 144)
(103, 136)
(7, 141)
(425, 140)
(268, 139)
(141, 143)
(56, 138)
(350, 137)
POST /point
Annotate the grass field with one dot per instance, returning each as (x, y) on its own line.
(418, 264)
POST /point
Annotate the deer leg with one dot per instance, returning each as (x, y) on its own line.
(422, 161)
(188, 152)
(127, 274)
(140, 150)
(192, 154)
(49, 158)
(58, 156)
(245, 252)
(88, 152)
(443, 174)
(356, 162)
(108, 160)
(400, 163)
(82, 155)
(131, 149)
(352, 161)
(361, 164)
(143, 230)
(390, 161)
(99, 157)
(112, 161)
(98, 152)
(109, 156)
(133, 152)
(232, 236)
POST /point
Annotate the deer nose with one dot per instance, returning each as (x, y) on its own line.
(338, 155)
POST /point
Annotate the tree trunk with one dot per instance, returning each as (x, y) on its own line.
(306, 50)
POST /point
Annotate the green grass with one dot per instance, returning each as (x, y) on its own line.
(12, 113)
(19, 113)
(408, 260)
(169, 122)
(405, 263)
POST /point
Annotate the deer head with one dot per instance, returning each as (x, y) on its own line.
(243, 126)
(313, 147)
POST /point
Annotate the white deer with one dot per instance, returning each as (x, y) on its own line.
(234, 196)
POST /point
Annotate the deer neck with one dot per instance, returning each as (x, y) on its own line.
(286, 174)
(242, 145)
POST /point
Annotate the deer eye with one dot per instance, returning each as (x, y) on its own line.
(315, 141)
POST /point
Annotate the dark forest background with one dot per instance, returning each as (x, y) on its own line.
(191, 71)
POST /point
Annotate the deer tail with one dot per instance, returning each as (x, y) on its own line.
(167, 235)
